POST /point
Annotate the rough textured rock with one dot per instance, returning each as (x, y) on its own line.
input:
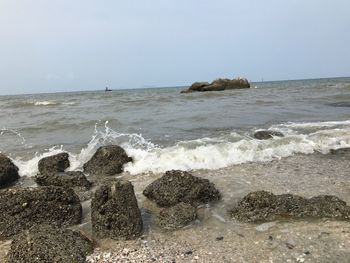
(20, 209)
(54, 164)
(218, 85)
(265, 206)
(265, 135)
(178, 186)
(67, 179)
(8, 171)
(108, 160)
(344, 151)
(115, 213)
(176, 217)
(44, 243)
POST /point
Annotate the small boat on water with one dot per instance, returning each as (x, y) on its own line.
(107, 89)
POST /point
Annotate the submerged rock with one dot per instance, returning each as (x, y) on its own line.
(218, 85)
(44, 243)
(108, 160)
(178, 186)
(21, 209)
(54, 164)
(265, 206)
(8, 171)
(176, 217)
(115, 213)
(67, 179)
(265, 135)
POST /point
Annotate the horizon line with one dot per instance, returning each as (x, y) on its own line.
(164, 87)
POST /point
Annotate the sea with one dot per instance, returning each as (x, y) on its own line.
(163, 129)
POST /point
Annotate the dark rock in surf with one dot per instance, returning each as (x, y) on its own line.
(8, 171)
(218, 85)
(178, 186)
(54, 164)
(175, 217)
(67, 180)
(108, 160)
(265, 135)
(21, 209)
(44, 243)
(115, 213)
(341, 151)
(264, 206)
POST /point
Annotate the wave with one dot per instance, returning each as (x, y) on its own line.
(45, 103)
(30, 103)
(206, 153)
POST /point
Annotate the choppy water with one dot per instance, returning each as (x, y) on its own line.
(163, 129)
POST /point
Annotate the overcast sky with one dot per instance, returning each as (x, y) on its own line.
(66, 45)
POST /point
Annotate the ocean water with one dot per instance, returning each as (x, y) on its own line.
(163, 129)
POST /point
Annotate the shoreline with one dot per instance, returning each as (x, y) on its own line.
(287, 241)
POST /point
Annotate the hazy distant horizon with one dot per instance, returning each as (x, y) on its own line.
(58, 46)
(165, 87)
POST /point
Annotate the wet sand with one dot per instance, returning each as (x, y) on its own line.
(215, 237)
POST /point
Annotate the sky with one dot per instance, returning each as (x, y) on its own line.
(65, 45)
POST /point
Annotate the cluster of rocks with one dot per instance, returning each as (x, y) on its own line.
(52, 172)
(219, 85)
(38, 218)
(178, 193)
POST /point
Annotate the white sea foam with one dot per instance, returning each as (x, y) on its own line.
(315, 124)
(205, 153)
(30, 167)
(68, 103)
(45, 103)
(220, 155)
(14, 132)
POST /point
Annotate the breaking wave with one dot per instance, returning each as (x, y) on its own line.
(45, 103)
(207, 153)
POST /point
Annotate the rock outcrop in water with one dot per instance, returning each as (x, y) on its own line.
(67, 180)
(264, 206)
(178, 186)
(218, 85)
(176, 217)
(108, 160)
(266, 134)
(23, 208)
(54, 164)
(115, 213)
(8, 171)
(44, 243)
